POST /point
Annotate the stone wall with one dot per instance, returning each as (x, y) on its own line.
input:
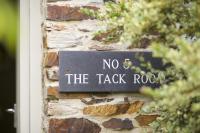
(66, 28)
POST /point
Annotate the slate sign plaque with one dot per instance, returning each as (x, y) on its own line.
(99, 71)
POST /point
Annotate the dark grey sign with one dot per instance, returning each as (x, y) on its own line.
(99, 71)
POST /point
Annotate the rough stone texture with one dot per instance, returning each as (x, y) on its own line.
(53, 92)
(69, 112)
(53, 73)
(44, 38)
(102, 48)
(51, 59)
(77, 36)
(69, 10)
(113, 109)
(64, 39)
(73, 125)
(94, 100)
(101, 110)
(118, 124)
(61, 109)
(97, 1)
(135, 107)
(145, 120)
(70, 34)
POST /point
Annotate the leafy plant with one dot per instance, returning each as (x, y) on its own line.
(173, 30)
(178, 102)
(8, 25)
(152, 19)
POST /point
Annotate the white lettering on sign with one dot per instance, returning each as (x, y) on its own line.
(77, 78)
(144, 79)
(111, 79)
(114, 64)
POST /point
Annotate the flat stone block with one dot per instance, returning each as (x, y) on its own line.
(69, 10)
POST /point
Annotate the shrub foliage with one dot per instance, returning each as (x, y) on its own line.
(173, 30)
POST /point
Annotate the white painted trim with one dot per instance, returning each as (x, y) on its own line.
(29, 79)
(23, 70)
(35, 67)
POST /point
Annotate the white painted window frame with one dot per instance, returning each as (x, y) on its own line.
(29, 66)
